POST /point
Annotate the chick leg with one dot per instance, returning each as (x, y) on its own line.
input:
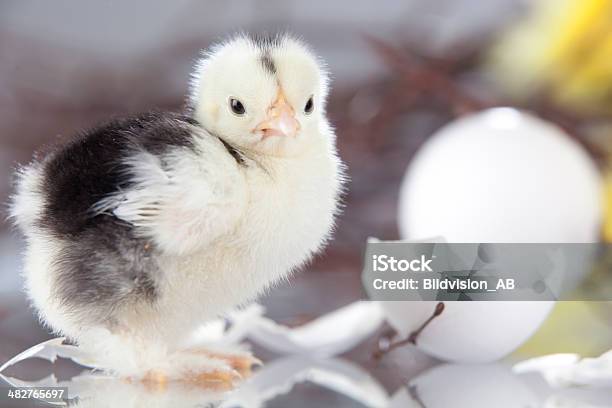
(192, 370)
(219, 371)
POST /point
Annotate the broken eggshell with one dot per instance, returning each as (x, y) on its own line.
(468, 332)
(500, 175)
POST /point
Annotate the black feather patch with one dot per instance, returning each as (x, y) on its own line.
(102, 263)
(106, 268)
(267, 41)
(268, 63)
(234, 152)
(92, 167)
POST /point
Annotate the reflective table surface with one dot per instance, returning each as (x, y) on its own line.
(403, 378)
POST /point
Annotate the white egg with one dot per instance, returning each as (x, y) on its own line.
(501, 176)
(496, 176)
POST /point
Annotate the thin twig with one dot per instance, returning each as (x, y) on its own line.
(413, 337)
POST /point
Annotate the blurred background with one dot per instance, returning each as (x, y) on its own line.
(401, 70)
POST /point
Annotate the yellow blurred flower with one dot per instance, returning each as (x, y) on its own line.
(563, 48)
(607, 228)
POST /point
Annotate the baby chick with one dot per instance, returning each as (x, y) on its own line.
(142, 229)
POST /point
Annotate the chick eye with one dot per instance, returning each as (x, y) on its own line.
(309, 106)
(237, 107)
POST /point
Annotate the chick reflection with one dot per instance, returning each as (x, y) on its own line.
(98, 392)
(443, 386)
(275, 378)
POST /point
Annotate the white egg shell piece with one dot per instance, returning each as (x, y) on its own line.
(469, 332)
(496, 176)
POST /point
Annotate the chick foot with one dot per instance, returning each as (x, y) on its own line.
(198, 368)
(241, 362)
(214, 380)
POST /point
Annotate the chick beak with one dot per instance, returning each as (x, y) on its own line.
(280, 120)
